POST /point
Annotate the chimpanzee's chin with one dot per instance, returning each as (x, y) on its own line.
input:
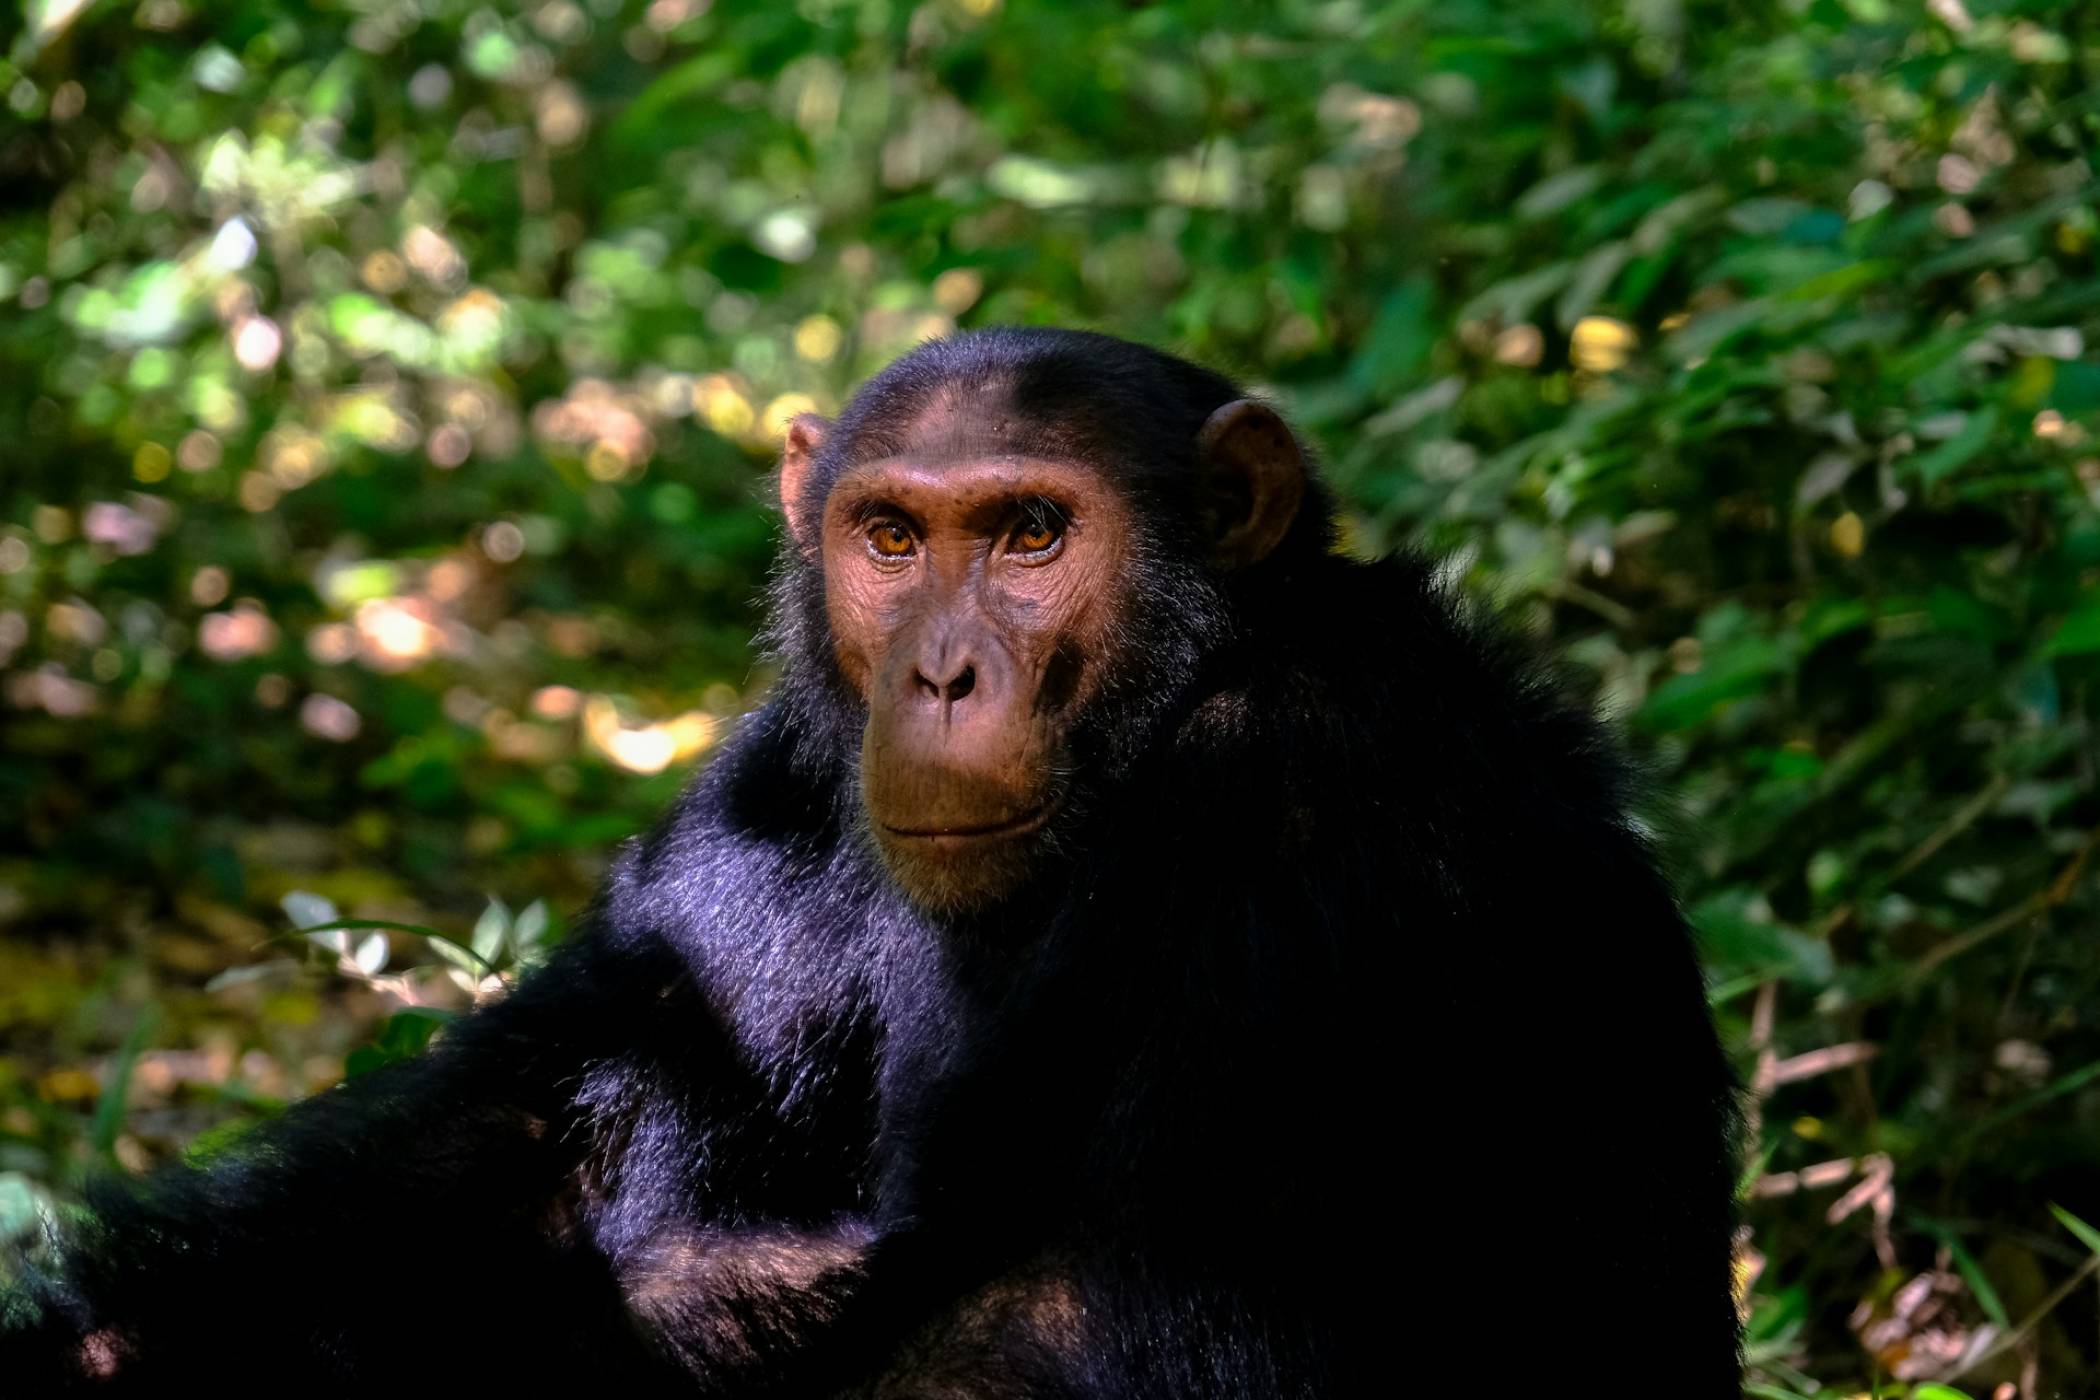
(957, 875)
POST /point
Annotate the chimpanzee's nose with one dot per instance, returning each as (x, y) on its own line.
(947, 674)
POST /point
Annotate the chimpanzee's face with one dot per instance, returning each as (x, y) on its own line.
(976, 595)
(972, 603)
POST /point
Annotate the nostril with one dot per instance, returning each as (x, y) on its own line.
(946, 692)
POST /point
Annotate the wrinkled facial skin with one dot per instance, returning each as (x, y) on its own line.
(971, 601)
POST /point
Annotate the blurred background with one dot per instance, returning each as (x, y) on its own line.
(388, 390)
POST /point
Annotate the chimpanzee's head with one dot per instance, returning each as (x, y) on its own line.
(1007, 558)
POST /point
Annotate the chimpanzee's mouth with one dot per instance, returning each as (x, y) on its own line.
(1012, 826)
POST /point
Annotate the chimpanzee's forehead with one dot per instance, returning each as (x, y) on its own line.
(962, 420)
(990, 419)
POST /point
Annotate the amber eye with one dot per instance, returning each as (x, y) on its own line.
(890, 540)
(1035, 536)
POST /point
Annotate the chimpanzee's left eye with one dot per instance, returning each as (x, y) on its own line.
(1038, 531)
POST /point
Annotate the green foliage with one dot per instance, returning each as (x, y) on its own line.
(388, 391)
(402, 1036)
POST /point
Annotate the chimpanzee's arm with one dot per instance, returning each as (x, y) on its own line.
(434, 1218)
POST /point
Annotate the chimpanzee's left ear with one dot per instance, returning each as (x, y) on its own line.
(805, 435)
(1257, 481)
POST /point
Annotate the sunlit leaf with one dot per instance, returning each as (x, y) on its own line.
(491, 930)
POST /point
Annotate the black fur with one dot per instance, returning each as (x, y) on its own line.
(1351, 1040)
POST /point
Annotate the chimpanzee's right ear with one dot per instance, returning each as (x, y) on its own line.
(805, 435)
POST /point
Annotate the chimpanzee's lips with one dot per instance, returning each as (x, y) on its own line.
(1012, 826)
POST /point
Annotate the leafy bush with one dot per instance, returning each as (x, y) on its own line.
(388, 392)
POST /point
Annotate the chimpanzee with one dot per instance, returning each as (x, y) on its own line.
(1136, 951)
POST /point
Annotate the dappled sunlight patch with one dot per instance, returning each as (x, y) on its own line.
(1920, 1330)
(646, 747)
(240, 632)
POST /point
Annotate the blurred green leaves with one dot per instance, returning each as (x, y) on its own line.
(387, 394)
